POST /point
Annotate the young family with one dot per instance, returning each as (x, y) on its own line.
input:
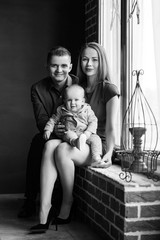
(76, 117)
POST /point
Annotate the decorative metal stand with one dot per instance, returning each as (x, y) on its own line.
(139, 137)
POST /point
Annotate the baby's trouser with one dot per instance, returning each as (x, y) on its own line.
(96, 145)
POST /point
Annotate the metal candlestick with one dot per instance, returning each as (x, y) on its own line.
(138, 165)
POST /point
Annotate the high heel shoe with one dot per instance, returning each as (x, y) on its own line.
(60, 221)
(42, 228)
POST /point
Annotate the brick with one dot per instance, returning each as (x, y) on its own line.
(110, 215)
(105, 199)
(98, 194)
(95, 180)
(142, 225)
(150, 211)
(85, 184)
(110, 188)
(91, 189)
(102, 221)
(119, 222)
(91, 212)
(151, 236)
(148, 196)
(122, 210)
(101, 209)
(95, 204)
(130, 237)
(114, 205)
(89, 176)
(119, 194)
(114, 232)
(102, 184)
(88, 198)
(131, 212)
(81, 193)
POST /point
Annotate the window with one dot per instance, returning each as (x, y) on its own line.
(129, 31)
(143, 49)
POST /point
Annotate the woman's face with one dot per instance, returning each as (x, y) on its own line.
(89, 61)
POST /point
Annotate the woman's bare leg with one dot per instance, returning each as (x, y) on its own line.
(47, 178)
(66, 159)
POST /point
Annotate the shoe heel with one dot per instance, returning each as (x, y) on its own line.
(54, 222)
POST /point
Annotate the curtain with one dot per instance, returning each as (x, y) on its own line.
(156, 41)
(146, 49)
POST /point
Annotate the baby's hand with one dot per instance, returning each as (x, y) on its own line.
(46, 135)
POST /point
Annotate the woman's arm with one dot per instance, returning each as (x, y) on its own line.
(111, 117)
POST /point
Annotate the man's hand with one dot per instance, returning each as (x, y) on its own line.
(46, 135)
(59, 130)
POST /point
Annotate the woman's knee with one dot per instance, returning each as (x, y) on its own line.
(61, 152)
(51, 145)
(48, 146)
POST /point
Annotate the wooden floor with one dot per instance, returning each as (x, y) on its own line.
(13, 228)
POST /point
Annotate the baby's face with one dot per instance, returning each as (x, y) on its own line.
(74, 100)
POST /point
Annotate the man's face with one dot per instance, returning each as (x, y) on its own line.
(59, 68)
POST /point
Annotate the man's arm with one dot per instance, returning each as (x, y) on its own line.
(40, 112)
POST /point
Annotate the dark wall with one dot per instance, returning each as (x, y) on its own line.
(28, 29)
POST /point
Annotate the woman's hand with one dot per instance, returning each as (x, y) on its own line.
(59, 130)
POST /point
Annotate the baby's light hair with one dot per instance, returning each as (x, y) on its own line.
(76, 87)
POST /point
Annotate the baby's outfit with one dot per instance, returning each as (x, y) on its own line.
(83, 120)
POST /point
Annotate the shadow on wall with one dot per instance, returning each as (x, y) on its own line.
(28, 29)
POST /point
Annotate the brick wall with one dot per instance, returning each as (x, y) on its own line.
(115, 209)
(91, 20)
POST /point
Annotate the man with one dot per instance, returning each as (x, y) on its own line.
(46, 96)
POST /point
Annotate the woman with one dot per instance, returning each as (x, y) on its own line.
(102, 95)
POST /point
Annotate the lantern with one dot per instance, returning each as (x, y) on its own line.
(139, 136)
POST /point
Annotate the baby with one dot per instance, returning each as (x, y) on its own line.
(79, 120)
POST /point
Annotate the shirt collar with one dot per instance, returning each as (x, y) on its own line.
(67, 83)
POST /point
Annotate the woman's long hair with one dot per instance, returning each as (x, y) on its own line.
(103, 69)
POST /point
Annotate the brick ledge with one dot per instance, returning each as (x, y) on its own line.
(138, 179)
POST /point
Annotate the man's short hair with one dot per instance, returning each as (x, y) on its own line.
(57, 51)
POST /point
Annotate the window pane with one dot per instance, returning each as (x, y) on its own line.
(144, 55)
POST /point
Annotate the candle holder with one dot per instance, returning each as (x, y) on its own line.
(139, 136)
(138, 164)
